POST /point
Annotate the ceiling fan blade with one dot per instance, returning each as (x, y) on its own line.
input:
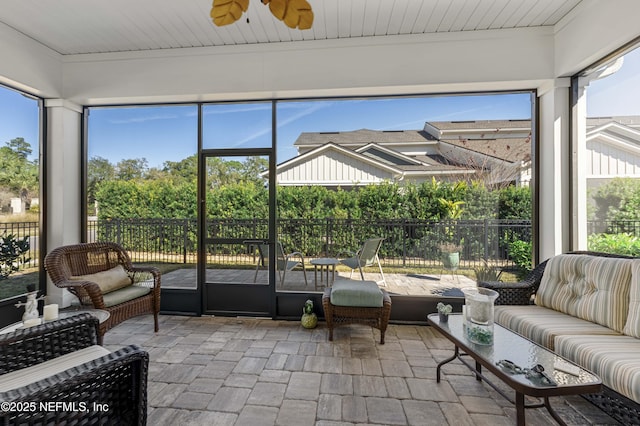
(294, 13)
(225, 12)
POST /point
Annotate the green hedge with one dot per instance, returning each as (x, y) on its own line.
(165, 198)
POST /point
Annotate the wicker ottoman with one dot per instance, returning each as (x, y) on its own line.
(376, 317)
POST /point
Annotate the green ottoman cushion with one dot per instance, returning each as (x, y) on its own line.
(356, 293)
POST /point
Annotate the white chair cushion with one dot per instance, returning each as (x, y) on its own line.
(26, 376)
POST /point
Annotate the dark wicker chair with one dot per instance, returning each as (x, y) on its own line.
(517, 293)
(65, 262)
(117, 381)
(617, 406)
(343, 315)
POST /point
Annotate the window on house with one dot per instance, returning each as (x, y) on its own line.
(20, 135)
(142, 172)
(606, 199)
(443, 179)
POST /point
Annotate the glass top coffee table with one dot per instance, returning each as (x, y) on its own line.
(524, 354)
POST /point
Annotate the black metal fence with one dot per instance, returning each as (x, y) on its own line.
(411, 243)
(614, 227)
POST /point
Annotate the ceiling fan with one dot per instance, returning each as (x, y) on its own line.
(294, 13)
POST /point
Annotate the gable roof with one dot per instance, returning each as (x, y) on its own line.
(388, 155)
(358, 138)
(333, 147)
(614, 133)
(506, 140)
(417, 168)
(511, 150)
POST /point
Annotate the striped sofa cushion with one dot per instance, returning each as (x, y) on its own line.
(588, 287)
(613, 358)
(542, 325)
(632, 327)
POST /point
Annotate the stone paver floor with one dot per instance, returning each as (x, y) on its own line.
(241, 371)
(406, 284)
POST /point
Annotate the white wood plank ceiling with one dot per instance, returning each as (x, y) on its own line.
(98, 26)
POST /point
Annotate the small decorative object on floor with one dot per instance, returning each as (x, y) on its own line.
(309, 318)
(444, 311)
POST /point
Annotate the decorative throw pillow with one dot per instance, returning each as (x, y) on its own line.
(110, 280)
(632, 327)
(591, 288)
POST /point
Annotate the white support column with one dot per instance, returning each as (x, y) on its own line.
(553, 178)
(63, 182)
(579, 158)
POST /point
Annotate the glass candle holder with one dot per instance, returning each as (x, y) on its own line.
(479, 309)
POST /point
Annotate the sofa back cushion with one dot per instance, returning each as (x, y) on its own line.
(632, 327)
(110, 280)
(592, 288)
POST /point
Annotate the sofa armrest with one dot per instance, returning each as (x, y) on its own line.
(33, 345)
(109, 390)
(517, 293)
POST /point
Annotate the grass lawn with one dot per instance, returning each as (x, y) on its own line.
(17, 283)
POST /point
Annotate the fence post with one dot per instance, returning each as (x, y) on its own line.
(326, 240)
(185, 236)
(486, 239)
(404, 243)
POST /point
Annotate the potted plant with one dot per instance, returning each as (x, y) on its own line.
(450, 255)
(443, 312)
(309, 318)
(450, 250)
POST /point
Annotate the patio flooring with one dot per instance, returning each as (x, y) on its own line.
(247, 371)
(406, 284)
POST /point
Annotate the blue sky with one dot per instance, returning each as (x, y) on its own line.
(169, 133)
(159, 134)
(18, 119)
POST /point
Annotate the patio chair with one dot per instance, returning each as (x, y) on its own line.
(59, 364)
(284, 262)
(102, 276)
(367, 255)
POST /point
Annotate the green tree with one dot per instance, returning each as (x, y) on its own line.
(99, 169)
(186, 169)
(21, 147)
(132, 168)
(17, 174)
(618, 200)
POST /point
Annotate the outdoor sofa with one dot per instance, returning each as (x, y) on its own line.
(55, 373)
(585, 306)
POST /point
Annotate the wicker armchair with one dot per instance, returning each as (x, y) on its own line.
(117, 381)
(65, 264)
(518, 293)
